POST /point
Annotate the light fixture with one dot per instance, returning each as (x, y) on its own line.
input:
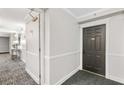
(34, 18)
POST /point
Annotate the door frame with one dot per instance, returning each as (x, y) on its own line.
(41, 27)
(95, 23)
(41, 45)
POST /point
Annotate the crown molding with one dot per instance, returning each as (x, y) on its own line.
(69, 12)
(97, 11)
(103, 13)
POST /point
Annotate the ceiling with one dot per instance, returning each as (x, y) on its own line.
(17, 14)
(13, 18)
(78, 12)
(13, 14)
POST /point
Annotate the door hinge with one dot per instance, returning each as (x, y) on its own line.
(40, 79)
(39, 76)
(39, 49)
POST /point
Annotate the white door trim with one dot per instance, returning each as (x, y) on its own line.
(94, 23)
(41, 14)
(42, 46)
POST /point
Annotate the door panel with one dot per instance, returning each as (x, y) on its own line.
(32, 48)
(94, 49)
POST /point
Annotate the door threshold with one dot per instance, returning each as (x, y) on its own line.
(94, 73)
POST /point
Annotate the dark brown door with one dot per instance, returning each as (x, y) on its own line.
(94, 49)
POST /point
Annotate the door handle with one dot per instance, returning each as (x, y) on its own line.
(98, 56)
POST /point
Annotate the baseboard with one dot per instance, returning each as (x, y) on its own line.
(93, 73)
(4, 52)
(33, 76)
(117, 79)
(67, 76)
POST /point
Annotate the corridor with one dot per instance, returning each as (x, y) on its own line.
(13, 72)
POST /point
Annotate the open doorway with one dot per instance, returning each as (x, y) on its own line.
(20, 46)
(12, 68)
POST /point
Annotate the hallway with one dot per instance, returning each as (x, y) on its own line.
(86, 78)
(54, 43)
(13, 72)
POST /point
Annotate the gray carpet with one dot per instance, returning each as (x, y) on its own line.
(13, 72)
(85, 78)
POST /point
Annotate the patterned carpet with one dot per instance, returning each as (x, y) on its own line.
(85, 78)
(13, 72)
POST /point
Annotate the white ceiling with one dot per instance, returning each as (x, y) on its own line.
(13, 14)
(78, 12)
(17, 14)
(14, 17)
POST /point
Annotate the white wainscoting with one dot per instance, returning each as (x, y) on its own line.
(32, 75)
(116, 67)
(117, 79)
(32, 65)
(62, 67)
(67, 76)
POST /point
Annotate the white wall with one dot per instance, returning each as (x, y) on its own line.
(12, 40)
(63, 45)
(116, 48)
(23, 47)
(4, 34)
